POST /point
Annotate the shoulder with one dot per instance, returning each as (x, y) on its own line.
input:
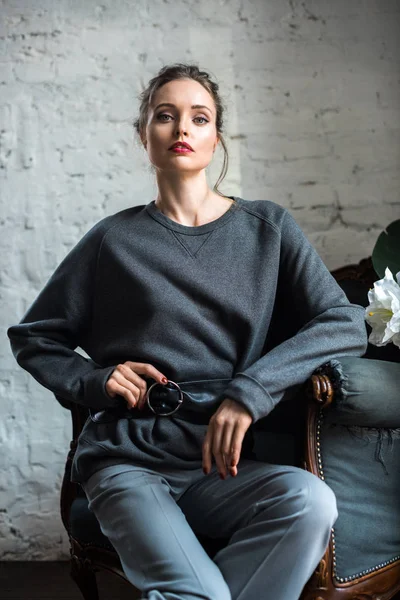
(89, 245)
(100, 229)
(106, 224)
(278, 219)
(270, 212)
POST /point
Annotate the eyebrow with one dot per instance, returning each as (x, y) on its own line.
(173, 105)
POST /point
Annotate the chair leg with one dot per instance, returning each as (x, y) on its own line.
(85, 578)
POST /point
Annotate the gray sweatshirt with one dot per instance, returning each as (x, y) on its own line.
(242, 307)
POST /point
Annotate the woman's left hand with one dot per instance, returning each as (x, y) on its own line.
(224, 437)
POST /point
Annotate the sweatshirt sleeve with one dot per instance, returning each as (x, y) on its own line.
(44, 341)
(327, 326)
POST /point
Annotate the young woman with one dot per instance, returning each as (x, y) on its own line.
(199, 313)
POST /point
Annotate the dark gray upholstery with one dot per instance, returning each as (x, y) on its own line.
(367, 392)
(362, 466)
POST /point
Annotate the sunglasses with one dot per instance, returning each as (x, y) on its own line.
(164, 399)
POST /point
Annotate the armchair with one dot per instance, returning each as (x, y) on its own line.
(358, 457)
(353, 443)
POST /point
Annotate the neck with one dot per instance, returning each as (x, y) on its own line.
(189, 200)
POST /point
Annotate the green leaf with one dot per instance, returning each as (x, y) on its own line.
(386, 252)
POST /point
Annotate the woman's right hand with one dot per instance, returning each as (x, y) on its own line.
(125, 381)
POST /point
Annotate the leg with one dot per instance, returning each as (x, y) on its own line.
(279, 518)
(159, 552)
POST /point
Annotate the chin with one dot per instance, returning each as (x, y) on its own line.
(180, 166)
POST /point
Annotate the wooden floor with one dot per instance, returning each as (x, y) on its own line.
(51, 581)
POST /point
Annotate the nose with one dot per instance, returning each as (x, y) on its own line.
(181, 129)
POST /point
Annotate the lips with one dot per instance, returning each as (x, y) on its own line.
(181, 145)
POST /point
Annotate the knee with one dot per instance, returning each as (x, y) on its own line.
(208, 593)
(217, 589)
(205, 585)
(209, 584)
(321, 508)
(306, 498)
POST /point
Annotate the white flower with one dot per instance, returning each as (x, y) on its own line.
(383, 312)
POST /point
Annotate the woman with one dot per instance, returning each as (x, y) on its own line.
(199, 313)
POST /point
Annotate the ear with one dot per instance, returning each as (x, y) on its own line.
(144, 142)
(216, 144)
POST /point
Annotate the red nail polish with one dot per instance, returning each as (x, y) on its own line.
(164, 380)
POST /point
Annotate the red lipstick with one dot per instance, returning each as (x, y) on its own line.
(181, 147)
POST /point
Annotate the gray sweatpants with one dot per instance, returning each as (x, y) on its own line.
(278, 519)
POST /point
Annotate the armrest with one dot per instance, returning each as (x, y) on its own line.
(359, 391)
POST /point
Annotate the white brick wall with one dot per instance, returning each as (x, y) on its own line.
(313, 95)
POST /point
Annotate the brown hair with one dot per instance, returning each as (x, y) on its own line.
(184, 71)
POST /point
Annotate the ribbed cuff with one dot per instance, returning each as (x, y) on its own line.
(95, 393)
(251, 394)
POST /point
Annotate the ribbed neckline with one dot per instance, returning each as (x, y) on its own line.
(196, 230)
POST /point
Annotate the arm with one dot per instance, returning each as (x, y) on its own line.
(44, 342)
(327, 326)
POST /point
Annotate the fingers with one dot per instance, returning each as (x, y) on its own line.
(126, 382)
(224, 442)
(219, 443)
(147, 370)
(224, 438)
(235, 450)
(127, 394)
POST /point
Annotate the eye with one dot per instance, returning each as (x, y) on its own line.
(164, 117)
(159, 117)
